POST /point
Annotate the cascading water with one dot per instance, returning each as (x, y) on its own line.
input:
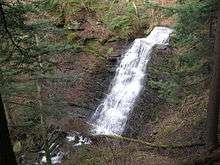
(111, 116)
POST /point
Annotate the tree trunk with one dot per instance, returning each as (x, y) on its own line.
(214, 98)
(43, 123)
(7, 156)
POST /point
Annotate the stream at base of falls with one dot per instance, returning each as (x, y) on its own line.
(58, 153)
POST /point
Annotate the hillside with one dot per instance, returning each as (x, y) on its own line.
(74, 50)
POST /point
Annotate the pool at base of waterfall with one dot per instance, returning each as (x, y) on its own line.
(74, 139)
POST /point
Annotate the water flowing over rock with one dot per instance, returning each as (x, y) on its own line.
(111, 115)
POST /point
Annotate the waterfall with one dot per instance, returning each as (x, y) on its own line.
(111, 115)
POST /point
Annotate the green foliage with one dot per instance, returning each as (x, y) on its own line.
(124, 18)
(67, 7)
(192, 35)
(192, 21)
(193, 46)
(110, 50)
(94, 48)
(27, 49)
(167, 89)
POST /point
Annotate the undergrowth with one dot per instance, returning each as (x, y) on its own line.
(192, 49)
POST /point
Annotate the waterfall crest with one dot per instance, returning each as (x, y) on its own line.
(111, 116)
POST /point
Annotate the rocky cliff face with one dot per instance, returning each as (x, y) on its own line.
(149, 103)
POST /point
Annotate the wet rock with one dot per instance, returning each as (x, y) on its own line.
(144, 110)
(75, 26)
(78, 139)
(114, 58)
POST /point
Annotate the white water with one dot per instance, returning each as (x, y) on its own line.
(111, 116)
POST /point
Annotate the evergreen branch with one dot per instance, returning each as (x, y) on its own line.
(50, 104)
(2, 14)
(80, 106)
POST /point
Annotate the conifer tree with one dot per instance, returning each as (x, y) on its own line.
(214, 98)
(7, 155)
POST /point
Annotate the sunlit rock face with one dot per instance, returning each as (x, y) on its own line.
(111, 115)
